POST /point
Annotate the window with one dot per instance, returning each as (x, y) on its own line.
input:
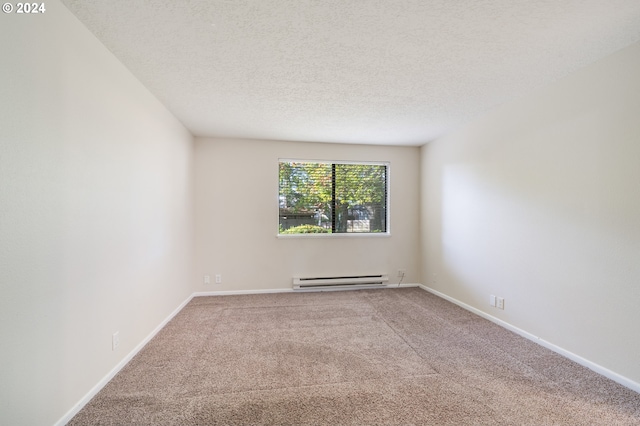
(333, 197)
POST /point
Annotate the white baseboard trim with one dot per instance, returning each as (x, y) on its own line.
(403, 285)
(288, 290)
(624, 381)
(240, 292)
(85, 399)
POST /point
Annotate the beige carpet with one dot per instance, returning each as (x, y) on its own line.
(393, 356)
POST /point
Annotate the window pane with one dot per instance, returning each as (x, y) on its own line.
(360, 198)
(305, 198)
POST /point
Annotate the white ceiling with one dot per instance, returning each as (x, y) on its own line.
(358, 71)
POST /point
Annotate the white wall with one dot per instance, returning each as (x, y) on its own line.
(237, 217)
(96, 214)
(539, 202)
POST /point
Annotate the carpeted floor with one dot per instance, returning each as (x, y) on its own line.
(392, 356)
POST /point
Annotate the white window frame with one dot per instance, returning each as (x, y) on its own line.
(340, 234)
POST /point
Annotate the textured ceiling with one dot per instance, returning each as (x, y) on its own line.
(357, 71)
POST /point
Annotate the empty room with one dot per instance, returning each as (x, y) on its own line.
(320, 212)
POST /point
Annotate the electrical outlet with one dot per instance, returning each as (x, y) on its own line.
(401, 273)
(492, 300)
(500, 303)
(115, 340)
(218, 279)
(207, 279)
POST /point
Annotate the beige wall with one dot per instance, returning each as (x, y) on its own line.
(95, 214)
(538, 202)
(237, 217)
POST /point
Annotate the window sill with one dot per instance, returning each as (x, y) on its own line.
(337, 235)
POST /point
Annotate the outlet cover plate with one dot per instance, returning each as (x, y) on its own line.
(115, 340)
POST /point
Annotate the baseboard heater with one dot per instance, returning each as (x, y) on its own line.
(329, 283)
